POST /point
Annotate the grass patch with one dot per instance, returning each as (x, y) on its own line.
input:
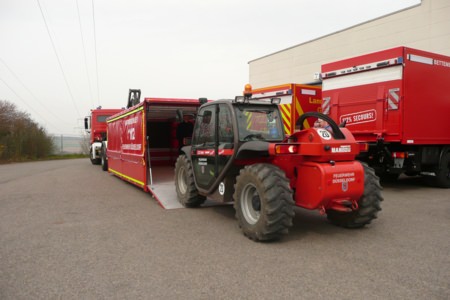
(50, 157)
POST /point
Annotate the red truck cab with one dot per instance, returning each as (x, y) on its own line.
(95, 125)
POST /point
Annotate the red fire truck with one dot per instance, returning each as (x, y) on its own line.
(95, 125)
(397, 101)
(296, 99)
(142, 144)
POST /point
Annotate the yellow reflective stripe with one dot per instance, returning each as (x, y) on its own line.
(125, 115)
(249, 119)
(127, 177)
(143, 137)
(286, 115)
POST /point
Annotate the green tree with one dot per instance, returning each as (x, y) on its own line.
(20, 137)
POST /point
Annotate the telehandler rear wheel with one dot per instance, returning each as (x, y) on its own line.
(263, 202)
(184, 183)
(368, 204)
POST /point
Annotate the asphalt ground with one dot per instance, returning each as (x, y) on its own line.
(70, 231)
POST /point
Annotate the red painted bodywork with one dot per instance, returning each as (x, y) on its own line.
(323, 172)
(409, 106)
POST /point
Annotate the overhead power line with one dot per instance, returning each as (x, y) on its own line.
(59, 61)
(25, 102)
(84, 53)
(95, 49)
(31, 93)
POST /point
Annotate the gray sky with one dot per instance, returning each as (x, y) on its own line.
(166, 48)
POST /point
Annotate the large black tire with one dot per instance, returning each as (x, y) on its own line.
(95, 161)
(187, 193)
(263, 202)
(104, 161)
(442, 178)
(368, 204)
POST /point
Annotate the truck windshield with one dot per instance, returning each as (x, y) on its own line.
(256, 123)
(102, 118)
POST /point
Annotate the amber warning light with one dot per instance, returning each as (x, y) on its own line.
(248, 90)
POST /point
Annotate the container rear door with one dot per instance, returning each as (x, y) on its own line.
(427, 98)
(368, 101)
(126, 145)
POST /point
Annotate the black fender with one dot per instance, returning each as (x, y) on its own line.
(186, 150)
(253, 149)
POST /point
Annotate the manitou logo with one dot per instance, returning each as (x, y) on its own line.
(341, 149)
(359, 117)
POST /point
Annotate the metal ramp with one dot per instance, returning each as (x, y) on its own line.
(165, 194)
(163, 189)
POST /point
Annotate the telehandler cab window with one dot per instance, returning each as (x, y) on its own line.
(257, 124)
(204, 130)
(225, 126)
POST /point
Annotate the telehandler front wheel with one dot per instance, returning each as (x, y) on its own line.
(368, 204)
(263, 202)
(187, 193)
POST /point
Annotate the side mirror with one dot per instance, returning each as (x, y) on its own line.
(86, 123)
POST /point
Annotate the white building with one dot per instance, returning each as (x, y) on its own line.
(425, 26)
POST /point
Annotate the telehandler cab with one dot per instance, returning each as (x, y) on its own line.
(239, 153)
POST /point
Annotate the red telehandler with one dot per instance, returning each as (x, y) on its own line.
(239, 153)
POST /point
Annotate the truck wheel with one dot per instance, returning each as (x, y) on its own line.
(263, 202)
(94, 161)
(389, 177)
(104, 160)
(368, 204)
(442, 178)
(184, 183)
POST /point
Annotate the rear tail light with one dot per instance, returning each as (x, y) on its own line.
(286, 149)
(363, 147)
(399, 155)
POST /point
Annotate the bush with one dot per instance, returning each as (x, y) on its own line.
(20, 137)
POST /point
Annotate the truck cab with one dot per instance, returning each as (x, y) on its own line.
(95, 125)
